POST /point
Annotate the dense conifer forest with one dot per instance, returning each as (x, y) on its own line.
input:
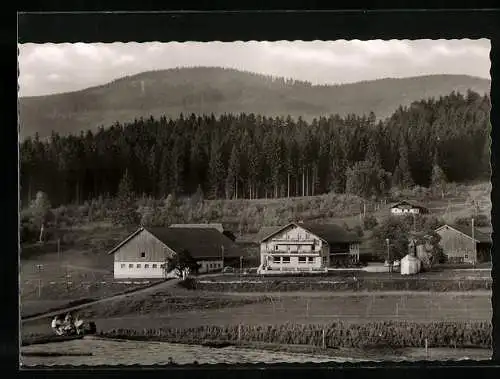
(250, 156)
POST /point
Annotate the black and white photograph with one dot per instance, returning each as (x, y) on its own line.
(254, 202)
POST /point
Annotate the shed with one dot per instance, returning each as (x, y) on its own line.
(410, 265)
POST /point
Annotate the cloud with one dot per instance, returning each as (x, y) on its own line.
(52, 68)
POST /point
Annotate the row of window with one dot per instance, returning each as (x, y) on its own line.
(287, 259)
(214, 265)
(298, 248)
(138, 265)
(297, 237)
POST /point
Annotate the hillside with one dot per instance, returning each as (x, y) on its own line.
(217, 90)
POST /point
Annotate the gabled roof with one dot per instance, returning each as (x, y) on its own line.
(467, 231)
(200, 242)
(331, 233)
(266, 231)
(216, 226)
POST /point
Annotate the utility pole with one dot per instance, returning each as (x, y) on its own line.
(222, 253)
(388, 253)
(474, 249)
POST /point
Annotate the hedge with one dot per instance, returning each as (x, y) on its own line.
(394, 334)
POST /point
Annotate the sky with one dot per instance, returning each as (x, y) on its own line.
(55, 68)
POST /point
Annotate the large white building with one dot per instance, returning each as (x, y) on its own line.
(145, 252)
(306, 247)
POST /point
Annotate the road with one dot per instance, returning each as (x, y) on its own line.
(156, 287)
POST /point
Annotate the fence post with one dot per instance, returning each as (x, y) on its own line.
(39, 288)
(426, 348)
(323, 339)
(239, 332)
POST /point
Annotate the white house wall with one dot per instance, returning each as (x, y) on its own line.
(292, 249)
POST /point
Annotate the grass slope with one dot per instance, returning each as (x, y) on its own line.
(216, 90)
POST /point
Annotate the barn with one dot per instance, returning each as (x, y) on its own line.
(460, 246)
(144, 253)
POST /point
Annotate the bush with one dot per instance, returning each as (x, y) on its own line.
(189, 283)
(395, 334)
(370, 222)
(345, 284)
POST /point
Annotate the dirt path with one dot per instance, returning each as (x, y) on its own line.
(156, 287)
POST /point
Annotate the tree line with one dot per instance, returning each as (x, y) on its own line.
(429, 143)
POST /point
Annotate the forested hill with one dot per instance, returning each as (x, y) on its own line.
(251, 156)
(205, 90)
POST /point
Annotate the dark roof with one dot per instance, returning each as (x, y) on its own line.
(411, 204)
(331, 233)
(480, 236)
(266, 231)
(216, 226)
(200, 242)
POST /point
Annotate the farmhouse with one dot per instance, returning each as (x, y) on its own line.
(460, 246)
(405, 207)
(144, 253)
(307, 247)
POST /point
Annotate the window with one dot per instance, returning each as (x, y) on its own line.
(155, 265)
(313, 247)
(276, 247)
(122, 265)
(143, 255)
(310, 259)
(466, 256)
(302, 259)
(130, 265)
(162, 265)
(146, 266)
(138, 265)
(325, 262)
(285, 259)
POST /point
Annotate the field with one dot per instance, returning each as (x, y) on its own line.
(48, 281)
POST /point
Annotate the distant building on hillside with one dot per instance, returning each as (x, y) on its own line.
(144, 253)
(306, 247)
(461, 247)
(405, 208)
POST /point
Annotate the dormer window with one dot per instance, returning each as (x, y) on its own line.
(143, 255)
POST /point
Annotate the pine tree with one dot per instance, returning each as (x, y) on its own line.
(216, 169)
(438, 181)
(404, 171)
(125, 213)
(233, 173)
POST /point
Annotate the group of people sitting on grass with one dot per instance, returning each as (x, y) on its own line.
(66, 325)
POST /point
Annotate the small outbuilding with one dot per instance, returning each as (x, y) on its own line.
(410, 265)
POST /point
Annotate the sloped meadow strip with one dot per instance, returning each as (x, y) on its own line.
(350, 284)
(393, 334)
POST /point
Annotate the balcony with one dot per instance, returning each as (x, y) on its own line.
(290, 241)
(292, 252)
